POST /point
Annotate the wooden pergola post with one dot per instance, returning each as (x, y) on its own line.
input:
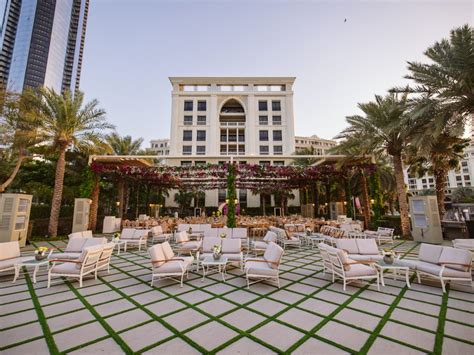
(95, 203)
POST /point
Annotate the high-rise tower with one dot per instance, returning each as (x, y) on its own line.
(42, 43)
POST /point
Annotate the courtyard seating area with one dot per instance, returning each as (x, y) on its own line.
(123, 312)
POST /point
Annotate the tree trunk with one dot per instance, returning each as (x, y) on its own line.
(365, 199)
(121, 199)
(328, 200)
(57, 193)
(402, 195)
(12, 176)
(316, 200)
(440, 181)
(95, 203)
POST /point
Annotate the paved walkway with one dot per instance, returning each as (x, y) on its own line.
(121, 313)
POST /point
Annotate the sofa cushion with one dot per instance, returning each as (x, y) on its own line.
(65, 268)
(260, 245)
(87, 234)
(461, 258)
(75, 235)
(176, 267)
(156, 253)
(343, 256)
(349, 245)
(260, 268)
(209, 243)
(182, 237)
(427, 267)
(9, 263)
(360, 270)
(90, 242)
(9, 250)
(273, 254)
(65, 256)
(448, 272)
(192, 245)
(430, 253)
(368, 257)
(127, 233)
(75, 245)
(367, 246)
(233, 256)
(270, 237)
(231, 245)
(167, 251)
(239, 233)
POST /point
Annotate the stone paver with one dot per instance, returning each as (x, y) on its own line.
(412, 324)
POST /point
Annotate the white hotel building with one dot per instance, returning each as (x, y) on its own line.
(248, 118)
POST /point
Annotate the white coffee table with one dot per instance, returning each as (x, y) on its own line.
(395, 268)
(119, 244)
(219, 264)
(30, 263)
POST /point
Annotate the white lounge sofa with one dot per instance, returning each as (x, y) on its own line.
(76, 268)
(284, 239)
(185, 245)
(360, 249)
(158, 235)
(135, 237)
(76, 246)
(443, 263)
(10, 255)
(261, 246)
(467, 244)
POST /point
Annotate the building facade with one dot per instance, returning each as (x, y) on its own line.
(461, 177)
(318, 146)
(42, 43)
(160, 146)
(247, 118)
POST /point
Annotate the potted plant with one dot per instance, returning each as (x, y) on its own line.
(40, 253)
(116, 237)
(223, 235)
(389, 256)
(216, 252)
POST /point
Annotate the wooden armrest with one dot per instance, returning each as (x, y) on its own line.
(65, 261)
(365, 262)
(263, 261)
(164, 261)
(454, 264)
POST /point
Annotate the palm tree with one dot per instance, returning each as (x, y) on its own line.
(386, 127)
(123, 145)
(18, 130)
(450, 76)
(67, 122)
(439, 146)
(183, 199)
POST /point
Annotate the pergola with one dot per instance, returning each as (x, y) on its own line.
(268, 179)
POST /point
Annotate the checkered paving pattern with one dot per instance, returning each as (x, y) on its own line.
(121, 313)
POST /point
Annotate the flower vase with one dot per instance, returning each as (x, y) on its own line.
(39, 256)
(216, 256)
(388, 259)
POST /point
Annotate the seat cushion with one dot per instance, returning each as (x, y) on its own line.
(349, 245)
(456, 256)
(260, 268)
(9, 263)
(208, 244)
(75, 235)
(369, 257)
(231, 245)
(367, 246)
(90, 242)
(65, 268)
(429, 268)
(260, 245)
(430, 253)
(65, 256)
(192, 245)
(156, 253)
(270, 237)
(127, 233)
(448, 272)
(233, 256)
(172, 267)
(360, 270)
(182, 237)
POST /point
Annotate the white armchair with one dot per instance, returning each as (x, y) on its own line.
(158, 235)
(136, 237)
(166, 265)
(349, 270)
(10, 255)
(232, 250)
(76, 268)
(266, 267)
(261, 246)
(186, 245)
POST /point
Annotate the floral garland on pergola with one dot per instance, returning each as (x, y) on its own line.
(247, 176)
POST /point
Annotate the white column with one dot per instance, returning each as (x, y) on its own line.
(251, 121)
(214, 131)
(175, 139)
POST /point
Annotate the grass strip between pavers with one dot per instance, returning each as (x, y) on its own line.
(41, 319)
(293, 260)
(102, 322)
(438, 347)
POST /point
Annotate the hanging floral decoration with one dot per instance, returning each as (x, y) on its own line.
(254, 177)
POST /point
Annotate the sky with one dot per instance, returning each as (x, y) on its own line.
(133, 46)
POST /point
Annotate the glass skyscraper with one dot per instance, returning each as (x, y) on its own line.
(42, 43)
